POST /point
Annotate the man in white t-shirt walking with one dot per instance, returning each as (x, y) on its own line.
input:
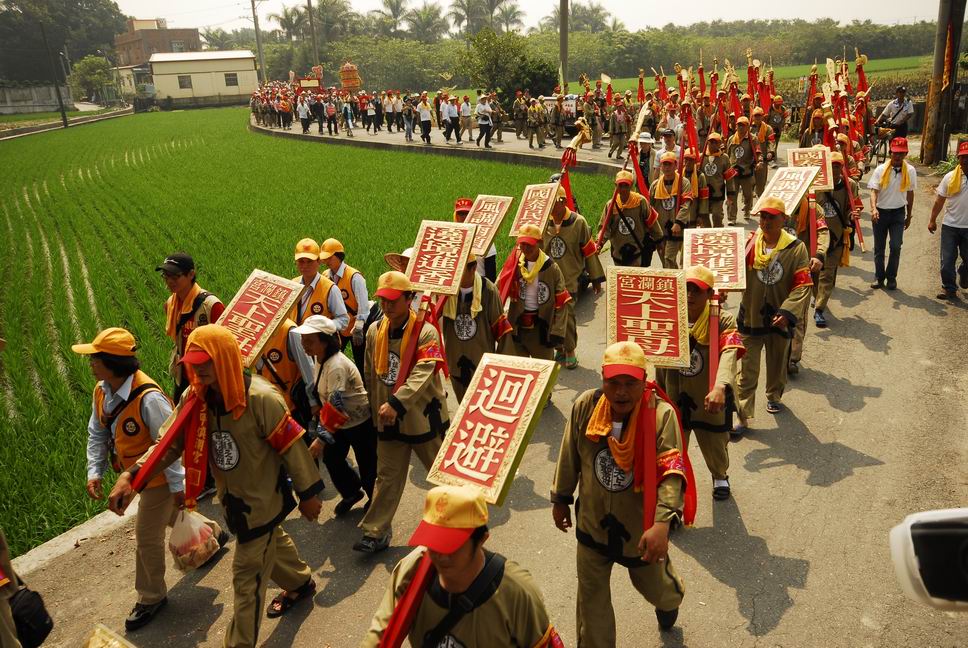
(892, 186)
(954, 227)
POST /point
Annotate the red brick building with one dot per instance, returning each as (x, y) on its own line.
(147, 37)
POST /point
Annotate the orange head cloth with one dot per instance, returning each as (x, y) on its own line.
(219, 343)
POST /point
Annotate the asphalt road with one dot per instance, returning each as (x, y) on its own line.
(874, 430)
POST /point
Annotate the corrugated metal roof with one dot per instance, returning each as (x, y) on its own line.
(210, 55)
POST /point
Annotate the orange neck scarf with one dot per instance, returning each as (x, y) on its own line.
(381, 354)
(177, 308)
(661, 193)
(600, 424)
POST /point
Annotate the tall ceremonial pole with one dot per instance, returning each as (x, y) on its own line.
(563, 42)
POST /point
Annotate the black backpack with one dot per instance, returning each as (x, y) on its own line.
(30, 617)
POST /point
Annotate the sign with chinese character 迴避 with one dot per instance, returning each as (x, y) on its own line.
(536, 203)
(257, 310)
(439, 256)
(722, 250)
(648, 307)
(487, 213)
(814, 157)
(494, 422)
(789, 184)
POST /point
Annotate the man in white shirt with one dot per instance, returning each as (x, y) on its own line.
(898, 113)
(483, 112)
(892, 186)
(668, 144)
(954, 228)
(466, 124)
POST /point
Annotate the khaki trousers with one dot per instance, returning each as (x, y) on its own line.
(596, 135)
(519, 128)
(716, 212)
(269, 557)
(796, 344)
(732, 202)
(392, 463)
(617, 143)
(467, 126)
(529, 345)
(156, 512)
(715, 450)
(670, 253)
(558, 133)
(8, 630)
(828, 275)
(571, 328)
(777, 357)
(658, 583)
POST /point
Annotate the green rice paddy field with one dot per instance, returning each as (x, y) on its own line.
(86, 214)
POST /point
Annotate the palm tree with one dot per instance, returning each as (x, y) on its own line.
(218, 39)
(335, 19)
(616, 25)
(509, 16)
(488, 9)
(466, 16)
(592, 17)
(393, 13)
(551, 22)
(426, 23)
(291, 20)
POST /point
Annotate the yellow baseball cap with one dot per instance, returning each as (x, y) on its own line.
(743, 120)
(451, 513)
(714, 136)
(773, 205)
(560, 193)
(116, 341)
(757, 111)
(330, 247)
(700, 276)
(624, 359)
(624, 177)
(307, 249)
(530, 234)
(836, 157)
(392, 285)
(668, 156)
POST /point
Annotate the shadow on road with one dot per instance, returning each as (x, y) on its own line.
(929, 305)
(189, 617)
(760, 579)
(792, 444)
(840, 393)
(871, 335)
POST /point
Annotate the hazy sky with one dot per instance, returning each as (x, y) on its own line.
(230, 15)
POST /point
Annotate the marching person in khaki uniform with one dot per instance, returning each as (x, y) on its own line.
(188, 307)
(319, 296)
(777, 289)
(536, 122)
(714, 167)
(568, 240)
(815, 131)
(633, 227)
(253, 444)
(538, 299)
(671, 197)
(839, 214)
(709, 413)
(9, 583)
(618, 129)
(765, 138)
(128, 412)
(745, 159)
(507, 608)
(519, 110)
(412, 419)
(776, 118)
(352, 287)
(800, 224)
(558, 120)
(699, 205)
(808, 114)
(474, 323)
(598, 457)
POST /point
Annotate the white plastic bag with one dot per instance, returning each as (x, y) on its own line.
(191, 541)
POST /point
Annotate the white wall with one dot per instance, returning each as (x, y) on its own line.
(208, 78)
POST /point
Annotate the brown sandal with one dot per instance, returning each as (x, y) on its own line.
(282, 602)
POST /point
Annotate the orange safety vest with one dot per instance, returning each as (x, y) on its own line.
(131, 436)
(345, 285)
(318, 303)
(285, 371)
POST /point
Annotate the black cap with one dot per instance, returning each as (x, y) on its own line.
(177, 263)
(667, 132)
(901, 89)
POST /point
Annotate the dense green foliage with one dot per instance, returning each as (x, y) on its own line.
(87, 213)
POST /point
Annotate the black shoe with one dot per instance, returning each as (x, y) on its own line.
(666, 619)
(877, 285)
(370, 545)
(721, 492)
(891, 284)
(142, 614)
(819, 319)
(346, 504)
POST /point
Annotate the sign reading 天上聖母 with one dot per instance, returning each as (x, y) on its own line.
(648, 307)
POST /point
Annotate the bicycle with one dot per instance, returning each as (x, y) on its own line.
(881, 149)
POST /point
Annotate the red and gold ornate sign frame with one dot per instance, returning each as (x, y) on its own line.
(536, 203)
(722, 250)
(487, 213)
(257, 310)
(814, 157)
(648, 307)
(439, 256)
(789, 184)
(488, 436)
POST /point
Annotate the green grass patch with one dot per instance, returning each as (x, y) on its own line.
(97, 208)
(32, 119)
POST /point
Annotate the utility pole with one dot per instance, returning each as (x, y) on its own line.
(563, 42)
(937, 122)
(312, 31)
(258, 44)
(53, 74)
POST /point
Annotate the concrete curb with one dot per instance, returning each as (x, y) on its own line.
(14, 133)
(473, 152)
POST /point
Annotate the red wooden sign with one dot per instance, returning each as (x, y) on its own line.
(818, 157)
(439, 256)
(648, 307)
(722, 250)
(487, 213)
(494, 422)
(257, 310)
(536, 203)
